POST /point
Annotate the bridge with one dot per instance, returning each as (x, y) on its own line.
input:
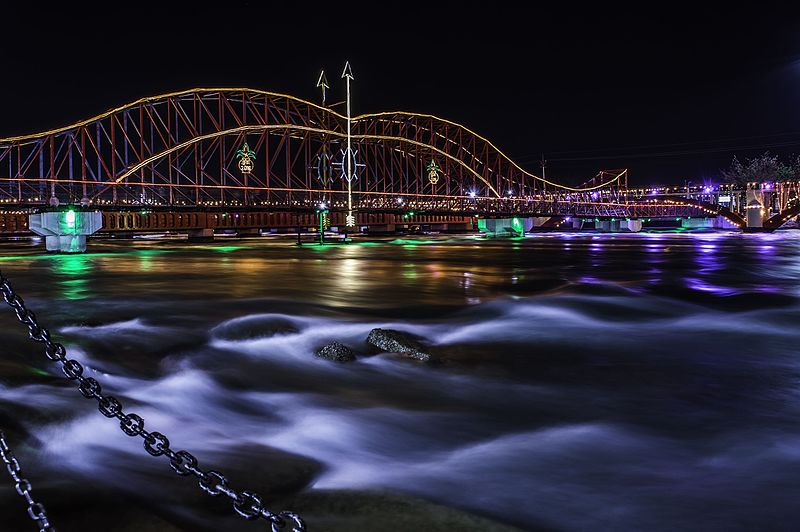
(237, 158)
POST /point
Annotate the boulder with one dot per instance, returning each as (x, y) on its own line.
(336, 352)
(392, 341)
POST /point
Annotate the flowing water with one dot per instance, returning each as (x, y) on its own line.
(587, 382)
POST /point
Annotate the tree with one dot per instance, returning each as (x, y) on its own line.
(765, 168)
(786, 172)
(794, 164)
(735, 173)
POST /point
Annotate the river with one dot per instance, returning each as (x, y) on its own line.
(586, 381)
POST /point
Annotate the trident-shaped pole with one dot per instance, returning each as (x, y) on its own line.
(322, 83)
(347, 74)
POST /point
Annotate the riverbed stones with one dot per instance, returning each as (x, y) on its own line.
(336, 352)
(400, 342)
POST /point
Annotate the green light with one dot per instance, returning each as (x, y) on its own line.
(69, 218)
(411, 213)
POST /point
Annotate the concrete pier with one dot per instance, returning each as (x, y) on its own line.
(201, 235)
(755, 208)
(65, 231)
(495, 227)
(619, 226)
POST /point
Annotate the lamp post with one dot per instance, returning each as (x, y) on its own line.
(347, 74)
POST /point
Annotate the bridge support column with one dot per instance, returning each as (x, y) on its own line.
(607, 226)
(755, 209)
(248, 232)
(619, 226)
(201, 235)
(65, 231)
(632, 226)
(506, 226)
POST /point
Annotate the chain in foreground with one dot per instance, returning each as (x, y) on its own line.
(246, 503)
(36, 510)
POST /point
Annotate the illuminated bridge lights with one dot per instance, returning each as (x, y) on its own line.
(400, 151)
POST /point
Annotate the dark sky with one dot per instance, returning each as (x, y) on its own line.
(671, 92)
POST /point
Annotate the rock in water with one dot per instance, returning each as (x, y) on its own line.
(336, 352)
(401, 342)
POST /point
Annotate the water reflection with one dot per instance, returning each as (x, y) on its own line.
(74, 272)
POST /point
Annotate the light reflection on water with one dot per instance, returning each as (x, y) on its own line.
(591, 382)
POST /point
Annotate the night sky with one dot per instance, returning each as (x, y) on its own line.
(670, 92)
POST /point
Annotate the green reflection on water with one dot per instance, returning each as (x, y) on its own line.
(145, 263)
(73, 271)
(76, 268)
(412, 243)
(58, 257)
(410, 271)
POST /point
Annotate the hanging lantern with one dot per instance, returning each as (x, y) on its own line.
(433, 172)
(247, 158)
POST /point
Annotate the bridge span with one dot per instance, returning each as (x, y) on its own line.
(237, 152)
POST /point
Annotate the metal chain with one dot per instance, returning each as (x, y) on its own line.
(23, 486)
(246, 503)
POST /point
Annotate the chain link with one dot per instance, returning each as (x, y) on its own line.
(246, 503)
(36, 510)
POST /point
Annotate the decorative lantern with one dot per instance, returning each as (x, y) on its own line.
(247, 158)
(433, 172)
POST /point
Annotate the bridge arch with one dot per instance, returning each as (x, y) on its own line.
(179, 150)
(97, 153)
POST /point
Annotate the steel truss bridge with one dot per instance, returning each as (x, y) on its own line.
(177, 153)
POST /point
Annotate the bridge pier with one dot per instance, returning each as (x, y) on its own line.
(494, 227)
(201, 235)
(619, 226)
(755, 209)
(65, 231)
